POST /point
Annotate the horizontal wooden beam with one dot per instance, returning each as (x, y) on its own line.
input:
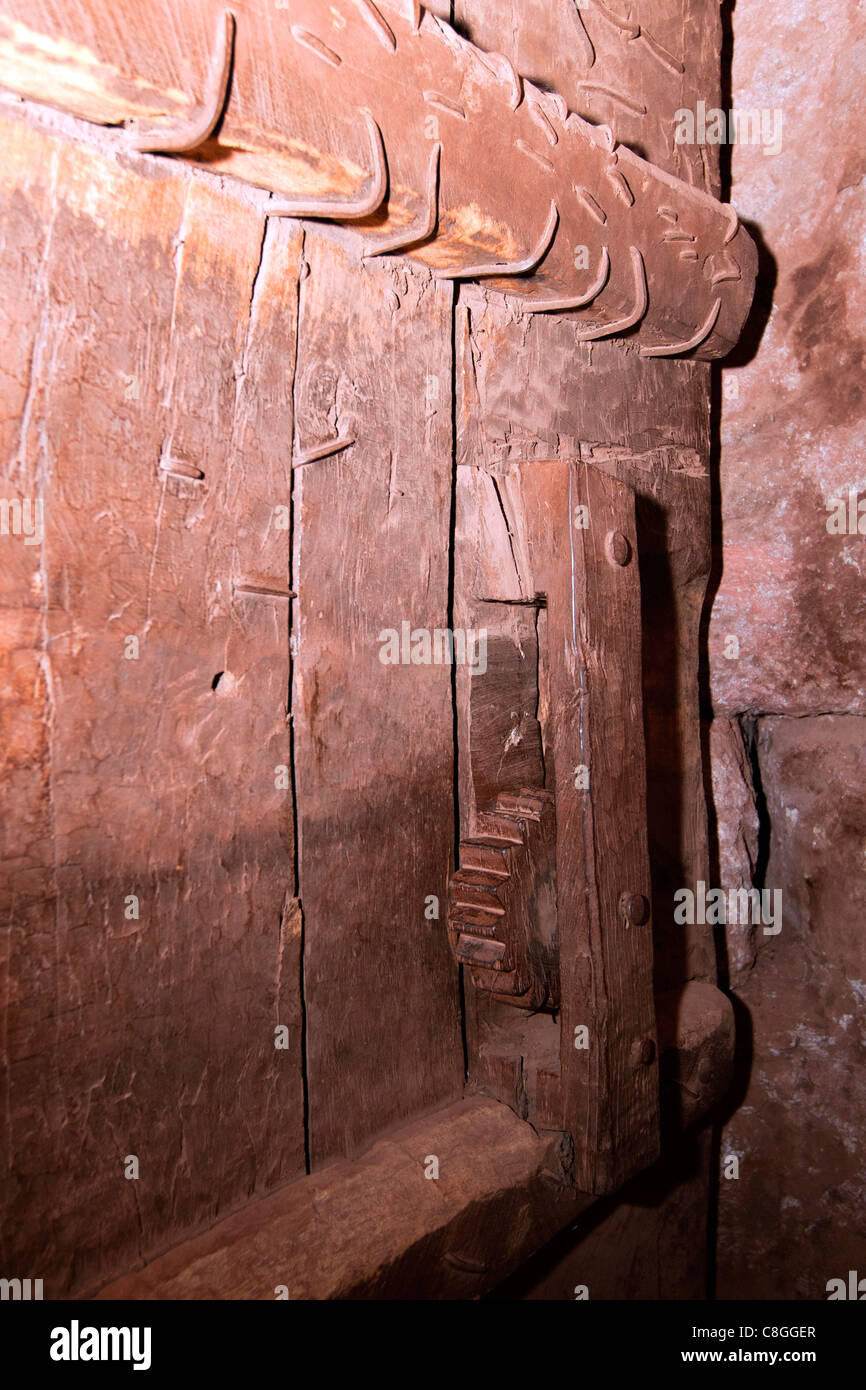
(380, 1227)
(442, 1208)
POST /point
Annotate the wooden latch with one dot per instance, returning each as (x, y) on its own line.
(550, 906)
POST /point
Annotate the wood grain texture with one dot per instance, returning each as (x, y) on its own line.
(525, 392)
(152, 315)
(595, 723)
(377, 1228)
(504, 735)
(631, 66)
(649, 1243)
(502, 901)
(154, 424)
(373, 742)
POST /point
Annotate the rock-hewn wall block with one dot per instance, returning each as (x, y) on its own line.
(794, 1218)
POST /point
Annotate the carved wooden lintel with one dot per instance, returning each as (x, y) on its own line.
(542, 204)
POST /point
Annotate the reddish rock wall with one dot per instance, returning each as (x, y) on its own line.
(793, 597)
(795, 1216)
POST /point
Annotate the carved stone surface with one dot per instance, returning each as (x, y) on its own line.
(735, 819)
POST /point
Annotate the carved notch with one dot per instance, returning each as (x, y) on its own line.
(502, 901)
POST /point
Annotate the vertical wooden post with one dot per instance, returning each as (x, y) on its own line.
(581, 543)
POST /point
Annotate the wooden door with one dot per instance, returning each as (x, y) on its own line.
(333, 340)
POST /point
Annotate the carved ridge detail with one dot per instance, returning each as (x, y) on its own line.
(501, 912)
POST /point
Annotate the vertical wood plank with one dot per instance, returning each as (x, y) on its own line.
(536, 539)
(373, 742)
(156, 427)
(595, 723)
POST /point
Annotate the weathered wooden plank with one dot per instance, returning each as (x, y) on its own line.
(27, 892)
(565, 516)
(527, 390)
(373, 741)
(650, 1244)
(503, 731)
(154, 428)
